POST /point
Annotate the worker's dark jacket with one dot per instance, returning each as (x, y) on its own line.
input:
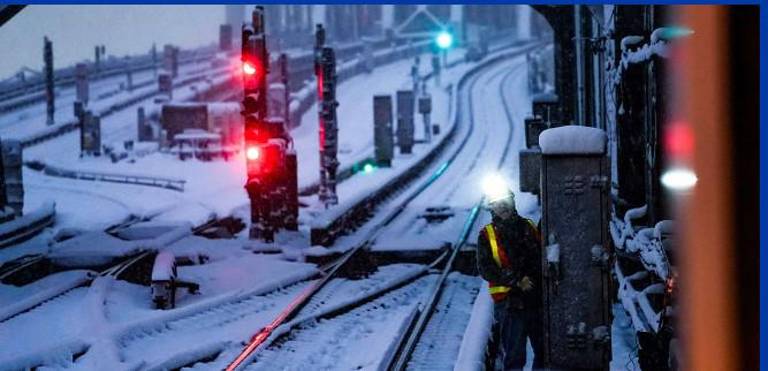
(520, 240)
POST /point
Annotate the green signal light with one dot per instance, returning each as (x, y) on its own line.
(444, 40)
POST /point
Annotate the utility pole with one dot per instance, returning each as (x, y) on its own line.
(48, 72)
(325, 70)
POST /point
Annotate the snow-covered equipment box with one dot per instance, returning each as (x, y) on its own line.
(575, 209)
(530, 169)
(13, 182)
(219, 118)
(163, 280)
(405, 128)
(382, 129)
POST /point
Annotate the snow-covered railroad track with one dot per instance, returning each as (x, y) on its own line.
(283, 323)
(230, 322)
(116, 271)
(430, 331)
(337, 224)
(442, 336)
(333, 342)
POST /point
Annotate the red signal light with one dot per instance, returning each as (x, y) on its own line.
(252, 153)
(248, 68)
(679, 140)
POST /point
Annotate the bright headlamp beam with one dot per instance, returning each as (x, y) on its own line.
(495, 187)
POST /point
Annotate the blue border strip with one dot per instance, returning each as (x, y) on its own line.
(763, 101)
(373, 2)
(763, 201)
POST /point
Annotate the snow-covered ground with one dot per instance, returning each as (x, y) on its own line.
(211, 187)
(458, 188)
(111, 324)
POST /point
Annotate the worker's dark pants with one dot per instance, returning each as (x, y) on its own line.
(513, 326)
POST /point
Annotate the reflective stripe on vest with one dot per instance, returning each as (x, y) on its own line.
(498, 292)
(535, 230)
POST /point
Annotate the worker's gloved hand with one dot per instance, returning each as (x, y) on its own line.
(525, 284)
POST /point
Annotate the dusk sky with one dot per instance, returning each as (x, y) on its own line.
(124, 29)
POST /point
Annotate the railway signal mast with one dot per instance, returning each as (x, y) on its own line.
(50, 97)
(270, 157)
(325, 70)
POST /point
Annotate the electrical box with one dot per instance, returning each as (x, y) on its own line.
(165, 84)
(576, 284)
(405, 126)
(545, 106)
(12, 175)
(530, 170)
(81, 82)
(177, 117)
(533, 128)
(382, 130)
(425, 104)
(90, 134)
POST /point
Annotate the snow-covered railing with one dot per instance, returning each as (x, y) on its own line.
(26, 93)
(26, 226)
(634, 51)
(635, 289)
(175, 184)
(646, 242)
(69, 126)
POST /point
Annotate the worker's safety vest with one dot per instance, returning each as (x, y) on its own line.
(499, 292)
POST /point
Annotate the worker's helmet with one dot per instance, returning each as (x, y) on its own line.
(497, 192)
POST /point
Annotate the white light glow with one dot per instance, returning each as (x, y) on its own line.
(495, 187)
(444, 40)
(249, 69)
(252, 153)
(679, 179)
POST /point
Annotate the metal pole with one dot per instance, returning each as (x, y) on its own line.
(579, 65)
(49, 88)
(328, 127)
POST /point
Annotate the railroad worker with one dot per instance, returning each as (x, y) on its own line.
(509, 258)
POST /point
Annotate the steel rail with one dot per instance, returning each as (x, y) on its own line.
(407, 344)
(259, 340)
